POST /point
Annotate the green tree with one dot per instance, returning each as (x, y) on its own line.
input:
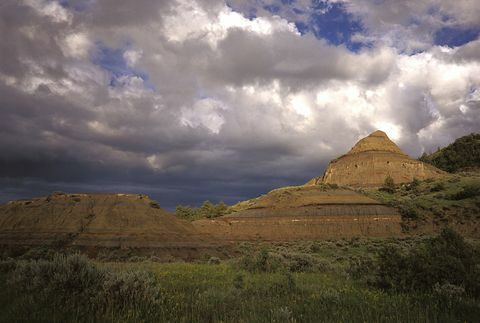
(185, 211)
(220, 209)
(388, 185)
(207, 210)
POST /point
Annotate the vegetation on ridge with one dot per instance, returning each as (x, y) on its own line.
(454, 198)
(208, 210)
(463, 153)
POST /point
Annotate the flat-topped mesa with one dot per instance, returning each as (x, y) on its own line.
(371, 161)
(94, 219)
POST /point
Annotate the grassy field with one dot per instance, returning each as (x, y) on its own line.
(281, 282)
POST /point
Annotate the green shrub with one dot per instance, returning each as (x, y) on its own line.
(446, 258)
(239, 281)
(388, 185)
(323, 265)
(282, 314)
(132, 287)
(467, 192)
(408, 211)
(76, 281)
(448, 291)
(265, 261)
(285, 285)
(299, 262)
(437, 187)
(64, 276)
(7, 265)
(208, 210)
(413, 185)
(185, 212)
(214, 260)
(361, 267)
(315, 247)
(262, 261)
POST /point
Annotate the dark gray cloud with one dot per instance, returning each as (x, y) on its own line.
(189, 101)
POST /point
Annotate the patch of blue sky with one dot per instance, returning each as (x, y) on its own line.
(112, 60)
(302, 27)
(455, 36)
(332, 22)
(324, 19)
(77, 5)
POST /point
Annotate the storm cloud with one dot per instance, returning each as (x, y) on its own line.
(194, 100)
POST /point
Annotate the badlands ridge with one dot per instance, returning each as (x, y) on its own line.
(325, 207)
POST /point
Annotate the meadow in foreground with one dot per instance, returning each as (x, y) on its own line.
(357, 280)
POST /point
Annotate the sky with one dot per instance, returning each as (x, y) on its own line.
(188, 101)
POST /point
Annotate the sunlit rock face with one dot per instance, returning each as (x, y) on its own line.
(305, 213)
(371, 161)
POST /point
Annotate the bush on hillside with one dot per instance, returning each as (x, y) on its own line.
(208, 210)
(388, 185)
(185, 212)
(466, 192)
(408, 211)
(445, 259)
(413, 185)
(437, 187)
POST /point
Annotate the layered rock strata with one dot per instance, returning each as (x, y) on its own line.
(105, 220)
(371, 161)
(305, 213)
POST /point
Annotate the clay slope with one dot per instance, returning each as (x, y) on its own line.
(371, 161)
(296, 213)
(107, 220)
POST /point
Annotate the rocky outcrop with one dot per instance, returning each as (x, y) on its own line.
(371, 161)
(305, 213)
(105, 220)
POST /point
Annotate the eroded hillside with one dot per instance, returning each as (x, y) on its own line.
(305, 212)
(106, 220)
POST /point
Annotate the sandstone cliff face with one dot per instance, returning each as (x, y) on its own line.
(305, 213)
(371, 161)
(107, 220)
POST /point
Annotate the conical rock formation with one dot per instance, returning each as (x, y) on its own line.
(371, 161)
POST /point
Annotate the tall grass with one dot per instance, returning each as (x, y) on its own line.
(283, 283)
